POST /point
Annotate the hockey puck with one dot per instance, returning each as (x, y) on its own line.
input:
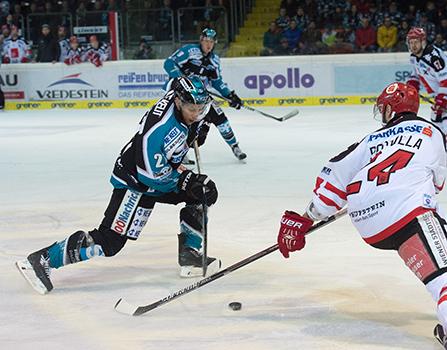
(235, 306)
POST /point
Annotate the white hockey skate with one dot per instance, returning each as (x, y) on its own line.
(190, 261)
(36, 271)
(238, 152)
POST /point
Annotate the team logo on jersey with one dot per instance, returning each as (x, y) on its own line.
(427, 131)
(391, 88)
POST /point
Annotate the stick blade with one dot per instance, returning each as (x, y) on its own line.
(290, 115)
(123, 307)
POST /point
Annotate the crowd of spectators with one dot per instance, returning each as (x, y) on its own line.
(151, 20)
(306, 27)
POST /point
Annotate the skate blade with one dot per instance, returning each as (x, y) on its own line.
(27, 272)
(193, 271)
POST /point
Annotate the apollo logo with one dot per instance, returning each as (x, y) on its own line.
(293, 79)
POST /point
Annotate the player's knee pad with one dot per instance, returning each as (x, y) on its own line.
(109, 240)
(423, 252)
(79, 246)
(191, 226)
(226, 131)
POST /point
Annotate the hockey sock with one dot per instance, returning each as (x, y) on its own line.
(78, 247)
(227, 133)
(191, 227)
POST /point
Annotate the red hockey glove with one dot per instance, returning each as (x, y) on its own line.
(414, 83)
(67, 61)
(24, 60)
(292, 232)
(440, 105)
(6, 59)
(95, 59)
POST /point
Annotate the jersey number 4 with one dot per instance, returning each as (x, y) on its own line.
(383, 170)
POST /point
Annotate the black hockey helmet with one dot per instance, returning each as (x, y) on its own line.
(191, 90)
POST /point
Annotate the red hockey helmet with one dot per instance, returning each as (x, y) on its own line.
(416, 33)
(400, 97)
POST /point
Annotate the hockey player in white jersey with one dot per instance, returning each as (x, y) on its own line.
(429, 70)
(388, 181)
(147, 171)
(15, 49)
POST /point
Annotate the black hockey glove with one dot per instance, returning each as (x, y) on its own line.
(210, 72)
(198, 187)
(203, 133)
(235, 102)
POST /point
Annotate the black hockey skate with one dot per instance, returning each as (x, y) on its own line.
(238, 152)
(439, 334)
(36, 270)
(190, 261)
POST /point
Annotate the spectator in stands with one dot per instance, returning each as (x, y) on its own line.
(283, 20)
(403, 29)
(431, 12)
(351, 19)
(301, 19)
(337, 17)
(271, 41)
(443, 28)
(5, 31)
(310, 8)
(310, 43)
(290, 6)
(17, 16)
(283, 49)
(374, 15)
(394, 14)
(47, 48)
(341, 45)
(410, 15)
(293, 35)
(387, 36)
(365, 37)
(165, 20)
(144, 52)
(81, 14)
(429, 27)
(329, 35)
(440, 42)
(63, 42)
(96, 52)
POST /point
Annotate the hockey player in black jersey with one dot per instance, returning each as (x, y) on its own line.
(199, 60)
(147, 171)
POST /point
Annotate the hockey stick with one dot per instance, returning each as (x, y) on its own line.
(427, 99)
(124, 307)
(280, 119)
(204, 216)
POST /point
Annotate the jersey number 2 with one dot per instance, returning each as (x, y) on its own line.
(383, 170)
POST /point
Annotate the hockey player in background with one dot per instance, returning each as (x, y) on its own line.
(388, 181)
(201, 61)
(74, 53)
(429, 69)
(15, 48)
(63, 42)
(96, 52)
(147, 171)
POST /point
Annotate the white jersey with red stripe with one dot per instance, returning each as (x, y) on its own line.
(430, 70)
(386, 180)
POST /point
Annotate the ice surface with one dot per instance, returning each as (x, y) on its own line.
(338, 293)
